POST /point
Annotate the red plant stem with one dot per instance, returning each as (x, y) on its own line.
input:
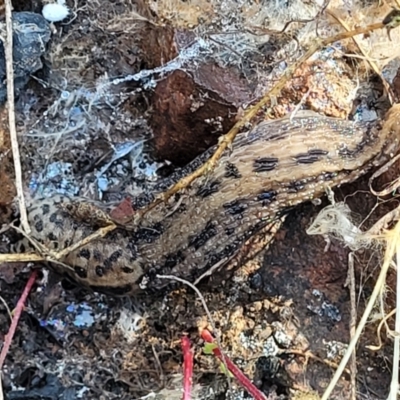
(236, 372)
(187, 368)
(17, 313)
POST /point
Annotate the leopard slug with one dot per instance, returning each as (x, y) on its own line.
(272, 167)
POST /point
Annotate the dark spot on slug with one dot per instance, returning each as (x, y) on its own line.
(148, 234)
(39, 226)
(295, 187)
(232, 171)
(81, 272)
(59, 223)
(235, 207)
(208, 189)
(53, 217)
(107, 264)
(99, 270)
(84, 253)
(311, 156)
(318, 152)
(115, 256)
(174, 259)
(227, 252)
(51, 236)
(131, 246)
(229, 231)
(367, 138)
(97, 255)
(329, 176)
(265, 164)
(127, 270)
(206, 234)
(267, 197)
(349, 153)
(45, 209)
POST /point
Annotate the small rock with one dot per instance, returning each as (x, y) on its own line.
(30, 36)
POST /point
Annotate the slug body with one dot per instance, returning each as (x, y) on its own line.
(273, 167)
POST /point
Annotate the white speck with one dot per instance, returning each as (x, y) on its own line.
(270, 348)
(55, 12)
(130, 324)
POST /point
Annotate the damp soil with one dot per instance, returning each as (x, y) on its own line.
(289, 301)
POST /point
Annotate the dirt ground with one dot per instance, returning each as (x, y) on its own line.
(108, 114)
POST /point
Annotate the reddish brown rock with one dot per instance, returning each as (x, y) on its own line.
(187, 118)
(193, 105)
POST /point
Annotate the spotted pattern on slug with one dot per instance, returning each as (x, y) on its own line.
(208, 189)
(45, 209)
(267, 197)
(148, 234)
(174, 259)
(81, 272)
(295, 187)
(85, 253)
(312, 156)
(268, 170)
(232, 171)
(235, 208)
(198, 241)
(265, 164)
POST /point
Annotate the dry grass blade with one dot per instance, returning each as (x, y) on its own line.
(394, 384)
(11, 117)
(378, 331)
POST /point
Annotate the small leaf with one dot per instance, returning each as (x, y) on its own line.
(209, 348)
(225, 371)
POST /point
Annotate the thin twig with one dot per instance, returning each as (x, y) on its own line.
(392, 186)
(21, 257)
(11, 118)
(384, 222)
(378, 331)
(6, 307)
